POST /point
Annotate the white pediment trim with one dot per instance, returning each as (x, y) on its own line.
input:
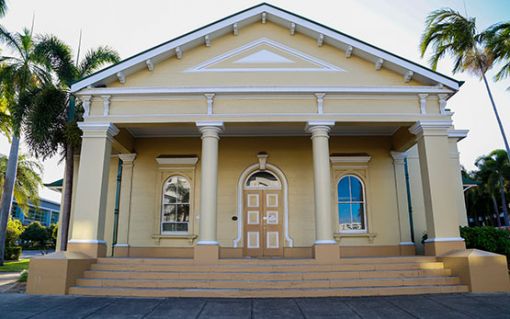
(278, 16)
(321, 65)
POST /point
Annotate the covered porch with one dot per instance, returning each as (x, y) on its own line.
(309, 171)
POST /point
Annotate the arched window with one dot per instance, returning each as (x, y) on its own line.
(175, 209)
(263, 179)
(351, 204)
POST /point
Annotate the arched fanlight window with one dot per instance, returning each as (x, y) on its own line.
(263, 179)
(351, 204)
(175, 210)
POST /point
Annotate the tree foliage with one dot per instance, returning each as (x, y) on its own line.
(28, 180)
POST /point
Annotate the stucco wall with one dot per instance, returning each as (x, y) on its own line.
(293, 155)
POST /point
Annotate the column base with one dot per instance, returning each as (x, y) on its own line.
(206, 254)
(121, 250)
(407, 249)
(91, 248)
(326, 253)
(442, 246)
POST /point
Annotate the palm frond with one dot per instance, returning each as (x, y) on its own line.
(97, 58)
(447, 32)
(55, 54)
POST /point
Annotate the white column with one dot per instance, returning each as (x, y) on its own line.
(439, 191)
(402, 203)
(91, 191)
(322, 181)
(125, 200)
(209, 182)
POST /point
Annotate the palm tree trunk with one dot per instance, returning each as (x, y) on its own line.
(503, 200)
(68, 195)
(496, 210)
(8, 192)
(497, 116)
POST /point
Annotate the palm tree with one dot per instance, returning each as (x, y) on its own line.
(494, 169)
(20, 75)
(497, 39)
(51, 123)
(5, 118)
(447, 32)
(3, 7)
(28, 180)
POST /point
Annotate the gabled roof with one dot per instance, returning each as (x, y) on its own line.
(265, 12)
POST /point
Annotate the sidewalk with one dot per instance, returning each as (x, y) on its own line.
(6, 279)
(423, 306)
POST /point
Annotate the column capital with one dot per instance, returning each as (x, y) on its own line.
(458, 134)
(319, 128)
(398, 157)
(438, 128)
(127, 158)
(103, 130)
(210, 129)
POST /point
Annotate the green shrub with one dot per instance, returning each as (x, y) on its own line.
(35, 236)
(487, 238)
(23, 277)
(14, 230)
(12, 252)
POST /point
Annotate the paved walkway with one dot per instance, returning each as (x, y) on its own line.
(6, 279)
(428, 306)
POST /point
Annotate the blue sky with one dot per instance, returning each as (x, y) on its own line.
(394, 25)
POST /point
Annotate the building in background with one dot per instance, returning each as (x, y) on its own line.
(47, 212)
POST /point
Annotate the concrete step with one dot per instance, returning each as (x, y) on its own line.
(267, 293)
(268, 267)
(265, 261)
(267, 284)
(98, 274)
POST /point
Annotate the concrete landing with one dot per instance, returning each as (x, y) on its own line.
(422, 306)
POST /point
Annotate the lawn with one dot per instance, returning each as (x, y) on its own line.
(15, 266)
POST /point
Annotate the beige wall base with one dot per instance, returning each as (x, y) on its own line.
(121, 251)
(440, 248)
(230, 252)
(288, 252)
(407, 250)
(298, 252)
(326, 253)
(53, 274)
(161, 252)
(482, 271)
(377, 251)
(91, 250)
(206, 254)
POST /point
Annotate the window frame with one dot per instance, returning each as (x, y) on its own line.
(189, 203)
(350, 202)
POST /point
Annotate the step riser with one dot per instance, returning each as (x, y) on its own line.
(346, 261)
(267, 276)
(266, 284)
(126, 292)
(269, 268)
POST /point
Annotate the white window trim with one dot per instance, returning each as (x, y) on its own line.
(364, 202)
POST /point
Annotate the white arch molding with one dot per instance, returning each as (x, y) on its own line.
(240, 186)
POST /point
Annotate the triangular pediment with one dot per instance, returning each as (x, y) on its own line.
(265, 55)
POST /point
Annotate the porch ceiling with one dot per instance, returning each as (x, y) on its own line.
(260, 129)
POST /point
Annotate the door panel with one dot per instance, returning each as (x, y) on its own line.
(272, 223)
(263, 223)
(252, 223)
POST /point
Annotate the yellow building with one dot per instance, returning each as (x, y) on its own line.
(266, 134)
